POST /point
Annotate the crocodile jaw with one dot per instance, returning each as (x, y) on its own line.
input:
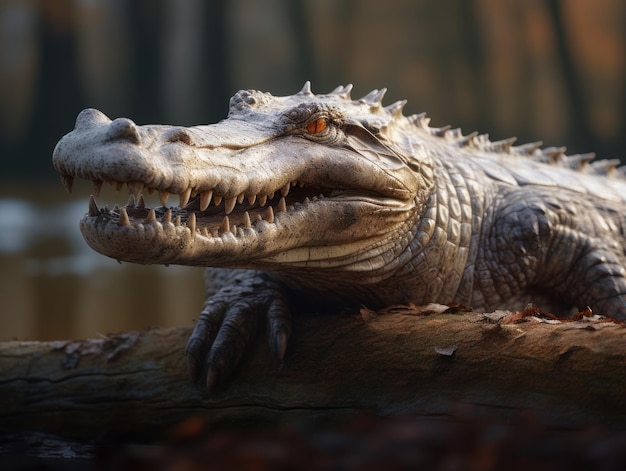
(270, 203)
(315, 233)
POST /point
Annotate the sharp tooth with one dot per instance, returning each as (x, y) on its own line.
(123, 221)
(240, 198)
(217, 200)
(205, 232)
(93, 207)
(135, 188)
(184, 198)
(151, 217)
(118, 185)
(271, 195)
(257, 217)
(141, 203)
(131, 200)
(163, 196)
(251, 199)
(269, 214)
(229, 205)
(246, 220)
(167, 217)
(177, 221)
(282, 206)
(263, 200)
(191, 224)
(67, 181)
(285, 189)
(225, 226)
(307, 200)
(205, 199)
(233, 230)
(97, 186)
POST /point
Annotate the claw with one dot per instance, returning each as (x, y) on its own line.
(278, 344)
(211, 378)
(282, 345)
(192, 368)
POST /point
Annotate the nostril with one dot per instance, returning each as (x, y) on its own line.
(124, 128)
(178, 135)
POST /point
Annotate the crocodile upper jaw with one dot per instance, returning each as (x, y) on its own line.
(258, 202)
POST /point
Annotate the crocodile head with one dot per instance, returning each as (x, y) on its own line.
(307, 180)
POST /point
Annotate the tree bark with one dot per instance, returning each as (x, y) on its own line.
(399, 362)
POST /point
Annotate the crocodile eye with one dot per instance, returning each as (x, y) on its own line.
(317, 126)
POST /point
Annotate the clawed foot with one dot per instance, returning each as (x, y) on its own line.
(229, 322)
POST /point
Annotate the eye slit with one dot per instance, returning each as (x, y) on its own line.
(317, 126)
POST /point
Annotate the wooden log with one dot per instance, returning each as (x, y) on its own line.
(136, 383)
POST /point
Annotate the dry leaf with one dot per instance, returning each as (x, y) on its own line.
(447, 351)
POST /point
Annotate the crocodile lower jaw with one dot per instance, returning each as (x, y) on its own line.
(222, 230)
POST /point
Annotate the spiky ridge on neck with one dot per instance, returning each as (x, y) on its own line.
(555, 156)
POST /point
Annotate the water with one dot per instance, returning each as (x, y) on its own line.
(53, 286)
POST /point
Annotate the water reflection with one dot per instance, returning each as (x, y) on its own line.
(53, 286)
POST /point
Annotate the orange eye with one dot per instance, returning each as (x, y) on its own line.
(317, 126)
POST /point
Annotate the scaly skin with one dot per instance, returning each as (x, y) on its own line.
(325, 200)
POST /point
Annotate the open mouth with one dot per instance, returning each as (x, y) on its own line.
(206, 213)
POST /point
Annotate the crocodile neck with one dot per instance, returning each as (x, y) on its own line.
(438, 262)
(429, 257)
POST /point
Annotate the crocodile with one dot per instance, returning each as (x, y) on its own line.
(321, 200)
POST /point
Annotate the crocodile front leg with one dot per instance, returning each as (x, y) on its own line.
(230, 320)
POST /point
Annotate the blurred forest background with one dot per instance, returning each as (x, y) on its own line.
(539, 69)
(544, 70)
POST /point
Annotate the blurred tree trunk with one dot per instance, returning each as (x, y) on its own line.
(621, 135)
(474, 58)
(306, 64)
(579, 115)
(59, 92)
(218, 59)
(146, 19)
